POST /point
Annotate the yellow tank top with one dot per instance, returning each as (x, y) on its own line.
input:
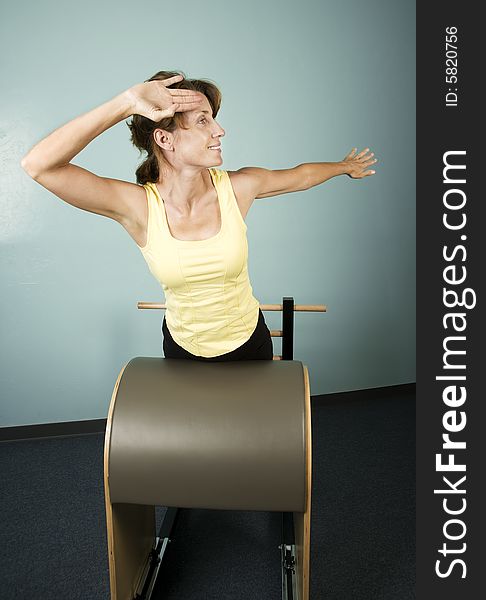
(210, 307)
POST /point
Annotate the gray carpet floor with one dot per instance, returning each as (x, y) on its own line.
(53, 528)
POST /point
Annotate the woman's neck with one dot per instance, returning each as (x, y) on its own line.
(185, 189)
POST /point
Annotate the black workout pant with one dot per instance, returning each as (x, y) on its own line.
(258, 347)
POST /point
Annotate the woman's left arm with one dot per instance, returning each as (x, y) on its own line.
(353, 165)
(257, 182)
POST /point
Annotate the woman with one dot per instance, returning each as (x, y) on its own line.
(185, 215)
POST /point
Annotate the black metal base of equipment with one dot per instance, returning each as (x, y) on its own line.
(289, 558)
(154, 559)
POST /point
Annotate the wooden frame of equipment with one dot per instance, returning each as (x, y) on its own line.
(135, 552)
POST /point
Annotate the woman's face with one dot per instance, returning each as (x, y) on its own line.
(192, 145)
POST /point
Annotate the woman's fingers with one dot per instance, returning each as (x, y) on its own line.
(361, 156)
(183, 92)
(184, 105)
(186, 96)
(366, 173)
(348, 156)
(187, 99)
(171, 80)
(362, 153)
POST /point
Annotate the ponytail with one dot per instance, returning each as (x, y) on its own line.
(148, 171)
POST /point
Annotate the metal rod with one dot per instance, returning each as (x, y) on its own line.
(297, 307)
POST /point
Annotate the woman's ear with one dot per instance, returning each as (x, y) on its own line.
(163, 138)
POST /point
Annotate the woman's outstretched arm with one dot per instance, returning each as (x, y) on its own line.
(257, 182)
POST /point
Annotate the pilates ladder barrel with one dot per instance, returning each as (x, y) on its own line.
(130, 509)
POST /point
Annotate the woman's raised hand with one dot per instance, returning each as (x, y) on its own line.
(153, 99)
(356, 163)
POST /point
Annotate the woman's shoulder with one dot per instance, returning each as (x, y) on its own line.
(234, 178)
(241, 191)
(222, 177)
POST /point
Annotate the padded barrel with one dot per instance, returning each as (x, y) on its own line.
(220, 435)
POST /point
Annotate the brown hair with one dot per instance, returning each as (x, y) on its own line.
(142, 128)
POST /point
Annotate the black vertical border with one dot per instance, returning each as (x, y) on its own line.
(441, 129)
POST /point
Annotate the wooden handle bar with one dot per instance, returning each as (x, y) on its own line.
(297, 307)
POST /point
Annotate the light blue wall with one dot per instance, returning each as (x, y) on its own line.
(301, 82)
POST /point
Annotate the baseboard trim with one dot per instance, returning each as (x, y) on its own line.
(96, 426)
(51, 430)
(368, 393)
